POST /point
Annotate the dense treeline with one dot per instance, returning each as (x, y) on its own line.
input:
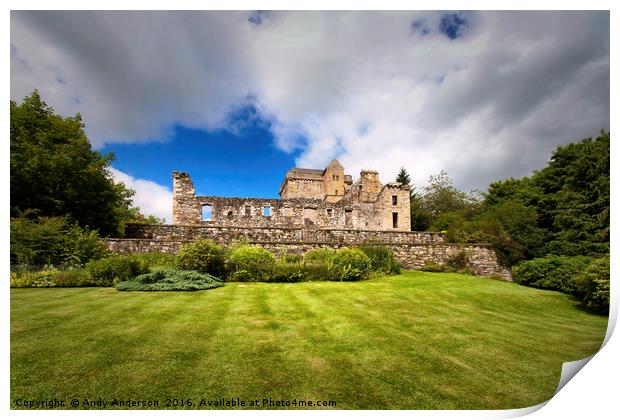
(59, 183)
(562, 209)
(559, 211)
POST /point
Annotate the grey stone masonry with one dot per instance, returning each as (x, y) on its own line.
(314, 198)
(411, 249)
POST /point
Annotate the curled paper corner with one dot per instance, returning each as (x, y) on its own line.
(520, 412)
(569, 370)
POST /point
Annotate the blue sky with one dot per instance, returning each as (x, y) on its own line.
(241, 164)
(237, 98)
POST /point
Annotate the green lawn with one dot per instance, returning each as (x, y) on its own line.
(413, 341)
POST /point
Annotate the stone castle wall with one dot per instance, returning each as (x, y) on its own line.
(309, 198)
(412, 249)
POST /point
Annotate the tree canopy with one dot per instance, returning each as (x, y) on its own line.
(55, 171)
(562, 209)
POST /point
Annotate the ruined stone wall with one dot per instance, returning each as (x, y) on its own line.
(411, 249)
(183, 192)
(365, 205)
(227, 234)
(294, 212)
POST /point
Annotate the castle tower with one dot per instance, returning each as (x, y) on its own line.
(333, 181)
(370, 186)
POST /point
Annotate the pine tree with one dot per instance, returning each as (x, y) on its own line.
(403, 177)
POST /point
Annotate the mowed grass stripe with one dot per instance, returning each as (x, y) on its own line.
(418, 340)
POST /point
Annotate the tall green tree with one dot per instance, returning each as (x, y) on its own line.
(441, 195)
(403, 177)
(576, 188)
(55, 172)
(562, 209)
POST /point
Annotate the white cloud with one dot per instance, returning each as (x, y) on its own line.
(151, 197)
(365, 87)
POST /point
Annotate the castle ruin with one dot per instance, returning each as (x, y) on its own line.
(317, 208)
(311, 198)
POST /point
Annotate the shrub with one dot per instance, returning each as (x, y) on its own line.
(349, 264)
(33, 279)
(381, 258)
(593, 285)
(551, 273)
(157, 259)
(251, 263)
(170, 279)
(53, 241)
(204, 256)
(287, 272)
(75, 277)
(83, 246)
(319, 255)
(290, 258)
(112, 270)
(458, 262)
(317, 271)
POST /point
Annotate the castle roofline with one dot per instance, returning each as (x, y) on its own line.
(308, 170)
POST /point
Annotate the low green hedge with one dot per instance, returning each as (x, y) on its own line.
(382, 259)
(593, 285)
(349, 264)
(157, 259)
(289, 272)
(204, 256)
(251, 263)
(112, 270)
(585, 277)
(551, 273)
(76, 277)
(319, 255)
(170, 280)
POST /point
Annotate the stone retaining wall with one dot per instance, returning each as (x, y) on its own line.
(412, 249)
(225, 235)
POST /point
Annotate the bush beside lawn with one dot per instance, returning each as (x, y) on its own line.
(170, 280)
(242, 262)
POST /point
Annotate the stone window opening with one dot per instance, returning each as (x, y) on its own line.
(336, 192)
(394, 200)
(229, 214)
(248, 211)
(395, 220)
(266, 211)
(329, 212)
(207, 212)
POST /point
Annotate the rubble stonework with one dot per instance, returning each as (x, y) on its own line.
(411, 249)
(316, 208)
(317, 198)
